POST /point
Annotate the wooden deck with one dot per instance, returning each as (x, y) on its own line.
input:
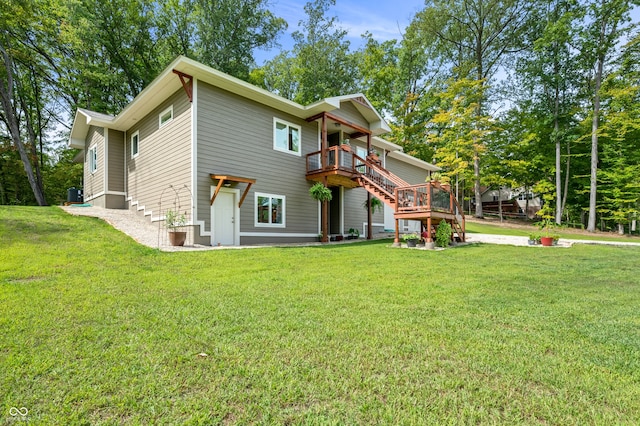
(427, 202)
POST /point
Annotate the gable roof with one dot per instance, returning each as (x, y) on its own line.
(168, 82)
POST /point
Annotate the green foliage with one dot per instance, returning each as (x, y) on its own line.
(174, 219)
(320, 192)
(443, 234)
(410, 236)
(376, 205)
(320, 64)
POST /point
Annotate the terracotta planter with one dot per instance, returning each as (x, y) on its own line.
(546, 241)
(177, 238)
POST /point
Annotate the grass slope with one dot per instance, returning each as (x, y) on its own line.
(99, 330)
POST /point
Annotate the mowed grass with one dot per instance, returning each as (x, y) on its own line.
(518, 228)
(97, 329)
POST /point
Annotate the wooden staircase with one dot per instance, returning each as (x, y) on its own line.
(427, 202)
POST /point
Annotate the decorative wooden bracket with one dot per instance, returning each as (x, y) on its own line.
(225, 178)
(187, 83)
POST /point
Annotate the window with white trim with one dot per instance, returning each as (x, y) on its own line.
(93, 159)
(270, 210)
(135, 144)
(165, 116)
(286, 136)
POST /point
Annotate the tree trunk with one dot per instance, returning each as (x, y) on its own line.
(566, 177)
(556, 129)
(591, 225)
(8, 101)
(476, 184)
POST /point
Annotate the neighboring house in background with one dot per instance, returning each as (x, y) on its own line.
(514, 201)
(236, 158)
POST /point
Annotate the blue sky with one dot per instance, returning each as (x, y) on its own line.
(385, 19)
(382, 18)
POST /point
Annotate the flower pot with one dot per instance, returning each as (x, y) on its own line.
(546, 241)
(411, 243)
(532, 242)
(177, 238)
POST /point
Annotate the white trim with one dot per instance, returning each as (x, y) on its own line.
(236, 214)
(194, 164)
(169, 120)
(257, 224)
(105, 131)
(133, 135)
(94, 196)
(93, 159)
(124, 169)
(103, 193)
(341, 195)
(277, 120)
(277, 234)
(365, 224)
(137, 206)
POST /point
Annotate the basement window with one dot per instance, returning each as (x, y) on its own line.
(270, 210)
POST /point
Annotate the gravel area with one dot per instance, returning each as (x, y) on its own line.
(155, 235)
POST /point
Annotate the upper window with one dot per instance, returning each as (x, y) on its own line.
(93, 159)
(165, 116)
(286, 136)
(135, 144)
(270, 210)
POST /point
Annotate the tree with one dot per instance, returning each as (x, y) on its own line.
(456, 130)
(320, 64)
(228, 32)
(549, 74)
(23, 61)
(475, 36)
(604, 27)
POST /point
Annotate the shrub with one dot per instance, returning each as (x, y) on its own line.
(443, 234)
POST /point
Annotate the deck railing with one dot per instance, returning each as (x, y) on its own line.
(423, 197)
(334, 159)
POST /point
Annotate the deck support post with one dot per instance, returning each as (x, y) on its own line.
(325, 216)
(369, 218)
(396, 240)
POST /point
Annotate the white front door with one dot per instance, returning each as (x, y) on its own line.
(224, 215)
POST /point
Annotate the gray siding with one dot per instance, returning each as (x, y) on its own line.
(411, 174)
(349, 112)
(94, 182)
(235, 137)
(116, 160)
(164, 158)
(355, 214)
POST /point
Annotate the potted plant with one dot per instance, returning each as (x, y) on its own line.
(547, 239)
(353, 234)
(175, 221)
(376, 205)
(434, 178)
(323, 194)
(534, 239)
(346, 145)
(411, 239)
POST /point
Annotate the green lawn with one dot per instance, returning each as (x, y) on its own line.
(99, 330)
(518, 229)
